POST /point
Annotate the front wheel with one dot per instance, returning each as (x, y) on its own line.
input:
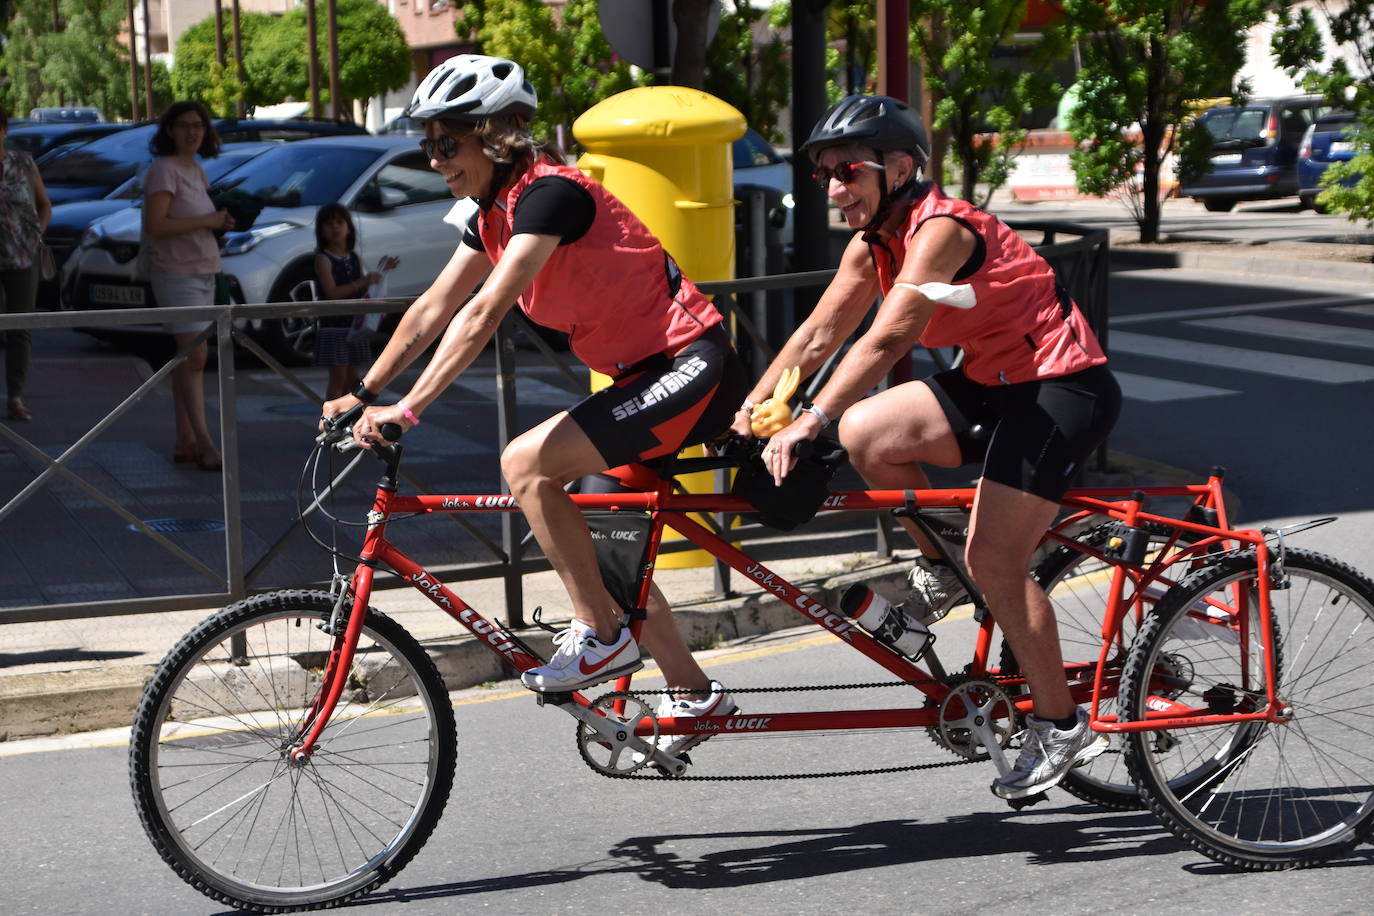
(1259, 795)
(218, 793)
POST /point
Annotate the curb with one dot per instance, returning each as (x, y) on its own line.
(1258, 263)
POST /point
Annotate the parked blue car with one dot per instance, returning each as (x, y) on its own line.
(1325, 142)
(1254, 150)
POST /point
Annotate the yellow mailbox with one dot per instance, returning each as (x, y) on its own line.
(665, 152)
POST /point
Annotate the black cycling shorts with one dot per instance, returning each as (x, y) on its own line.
(663, 404)
(1031, 436)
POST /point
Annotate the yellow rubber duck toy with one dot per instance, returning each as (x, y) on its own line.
(773, 415)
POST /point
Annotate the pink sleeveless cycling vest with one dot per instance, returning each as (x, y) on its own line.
(1019, 330)
(615, 292)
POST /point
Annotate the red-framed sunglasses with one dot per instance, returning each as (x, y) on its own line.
(845, 171)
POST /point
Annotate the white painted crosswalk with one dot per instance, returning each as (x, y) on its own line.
(1259, 343)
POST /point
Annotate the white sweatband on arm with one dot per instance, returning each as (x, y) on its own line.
(959, 297)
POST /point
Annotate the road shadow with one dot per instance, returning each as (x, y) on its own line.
(752, 857)
(44, 656)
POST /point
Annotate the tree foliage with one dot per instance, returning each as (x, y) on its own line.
(77, 60)
(373, 57)
(196, 74)
(752, 75)
(1143, 62)
(1347, 80)
(570, 64)
(973, 90)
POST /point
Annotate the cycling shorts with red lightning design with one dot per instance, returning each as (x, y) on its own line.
(658, 407)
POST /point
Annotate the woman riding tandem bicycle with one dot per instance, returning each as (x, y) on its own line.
(1033, 376)
(577, 260)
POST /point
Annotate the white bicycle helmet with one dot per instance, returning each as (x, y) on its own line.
(471, 87)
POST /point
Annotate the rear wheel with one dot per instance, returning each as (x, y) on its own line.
(218, 792)
(1218, 204)
(1259, 795)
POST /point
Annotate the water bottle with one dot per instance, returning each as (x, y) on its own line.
(887, 623)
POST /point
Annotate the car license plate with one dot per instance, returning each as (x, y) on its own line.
(105, 294)
(1341, 146)
(1226, 159)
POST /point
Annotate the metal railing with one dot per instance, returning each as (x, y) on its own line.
(1081, 263)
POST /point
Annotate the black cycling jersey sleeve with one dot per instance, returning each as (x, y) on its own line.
(554, 205)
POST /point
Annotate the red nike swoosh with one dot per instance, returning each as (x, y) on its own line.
(593, 669)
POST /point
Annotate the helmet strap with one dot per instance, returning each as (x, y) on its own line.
(499, 174)
(909, 190)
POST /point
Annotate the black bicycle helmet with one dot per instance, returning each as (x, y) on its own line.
(884, 123)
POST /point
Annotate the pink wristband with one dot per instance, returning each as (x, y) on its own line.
(405, 412)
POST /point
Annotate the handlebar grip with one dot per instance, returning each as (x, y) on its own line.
(391, 431)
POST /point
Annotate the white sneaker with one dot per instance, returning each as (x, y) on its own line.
(581, 660)
(718, 703)
(1048, 753)
(935, 589)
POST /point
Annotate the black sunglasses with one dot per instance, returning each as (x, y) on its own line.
(442, 147)
(845, 171)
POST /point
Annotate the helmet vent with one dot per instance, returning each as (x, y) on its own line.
(462, 87)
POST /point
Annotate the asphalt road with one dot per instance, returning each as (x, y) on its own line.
(530, 829)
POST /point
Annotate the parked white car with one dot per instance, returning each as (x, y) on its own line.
(398, 205)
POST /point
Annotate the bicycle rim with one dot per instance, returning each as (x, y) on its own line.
(222, 801)
(1261, 796)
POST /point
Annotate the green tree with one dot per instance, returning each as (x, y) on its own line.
(197, 75)
(373, 57)
(81, 61)
(974, 91)
(1143, 61)
(1347, 80)
(570, 64)
(753, 76)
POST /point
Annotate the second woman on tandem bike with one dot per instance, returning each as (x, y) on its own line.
(1033, 375)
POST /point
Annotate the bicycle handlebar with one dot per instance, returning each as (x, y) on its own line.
(338, 431)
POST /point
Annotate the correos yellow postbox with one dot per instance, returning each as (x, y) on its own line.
(665, 152)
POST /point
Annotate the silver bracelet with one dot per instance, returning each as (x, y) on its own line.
(818, 414)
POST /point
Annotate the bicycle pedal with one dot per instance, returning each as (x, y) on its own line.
(1016, 804)
(559, 698)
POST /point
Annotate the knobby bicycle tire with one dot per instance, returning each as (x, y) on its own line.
(1261, 796)
(1078, 585)
(220, 799)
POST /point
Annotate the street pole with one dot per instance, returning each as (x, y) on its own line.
(241, 103)
(312, 65)
(133, 62)
(894, 79)
(335, 100)
(219, 33)
(147, 64)
(812, 245)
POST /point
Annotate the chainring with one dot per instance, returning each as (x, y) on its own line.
(614, 754)
(973, 701)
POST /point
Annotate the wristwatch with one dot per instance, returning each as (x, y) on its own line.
(361, 393)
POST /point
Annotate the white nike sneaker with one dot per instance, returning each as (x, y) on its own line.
(718, 703)
(582, 660)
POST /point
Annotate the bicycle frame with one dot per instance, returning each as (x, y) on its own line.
(655, 496)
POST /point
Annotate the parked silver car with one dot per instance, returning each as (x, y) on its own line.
(398, 204)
